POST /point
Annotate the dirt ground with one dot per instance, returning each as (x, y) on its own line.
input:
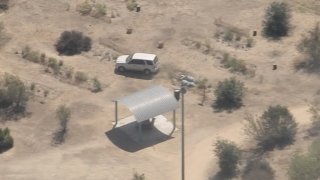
(88, 153)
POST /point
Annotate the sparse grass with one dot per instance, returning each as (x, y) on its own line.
(4, 38)
(32, 86)
(53, 64)
(43, 58)
(60, 63)
(69, 72)
(99, 10)
(233, 64)
(80, 77)
(249, 43)
(228, 36)
(131, 4)
(96, 10)
(63, 114)
(84, 8)
(30, 55)
(96, 85)
(6, 140)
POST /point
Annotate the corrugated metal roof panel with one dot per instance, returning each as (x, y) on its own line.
(150, 102)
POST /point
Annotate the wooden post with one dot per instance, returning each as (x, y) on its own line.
(254, 33)
(138, 8)
(129, 30)
(274, 67)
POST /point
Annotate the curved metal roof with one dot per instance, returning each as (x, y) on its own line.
(150, 102)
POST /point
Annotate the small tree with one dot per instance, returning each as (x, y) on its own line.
(203, 85)
(73, 42)
(229, 93)
(6, 141)
(310, 46)
(277, 20)
(63, 114)
(304, 167)
(229, 156)
(275, 128)
(13, 96)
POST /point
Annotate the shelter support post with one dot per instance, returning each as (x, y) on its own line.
(116, 114)
(174, 122)
(139, 126)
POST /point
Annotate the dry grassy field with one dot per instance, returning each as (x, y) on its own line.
(187, 28)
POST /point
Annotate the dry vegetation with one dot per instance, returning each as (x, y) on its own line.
(70, 57)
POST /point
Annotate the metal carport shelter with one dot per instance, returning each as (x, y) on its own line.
(148, 103)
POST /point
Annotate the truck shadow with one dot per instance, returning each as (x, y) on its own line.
(135, 74)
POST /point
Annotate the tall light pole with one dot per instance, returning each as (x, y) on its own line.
(182, 91)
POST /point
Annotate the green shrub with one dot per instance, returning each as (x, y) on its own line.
(96, 85)
(228, 35)
(80, 77)
(30, 55)
(277, 20)
(310, 46)
(306, 166)
(275, 128)
(236, 65)
(69, 72)
(229, 156)
(72, 42)
(229, 93)
(4, 4)
(13, 95)
(249, 43)
(137, 176)
(258, 169)
(32, 86)
(6, 141)
(132, 4)
(84, 8)
(63, 114)
(53, 64)
(43, 58)
(99, 10)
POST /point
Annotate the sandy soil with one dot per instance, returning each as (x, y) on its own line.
(88, 153)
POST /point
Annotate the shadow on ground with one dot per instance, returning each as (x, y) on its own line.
(134, 74)
(127, 137)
